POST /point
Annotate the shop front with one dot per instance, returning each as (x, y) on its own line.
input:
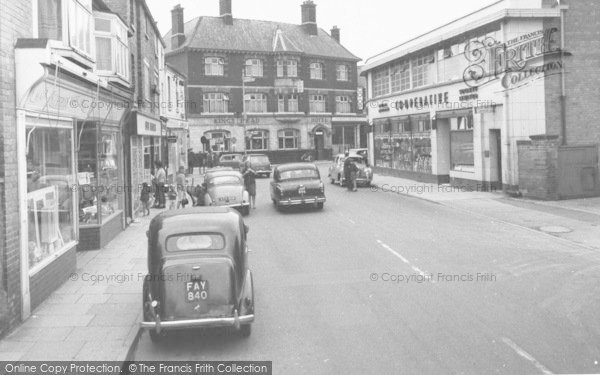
(69, 173)
(348, 133)
(145, 148)
(177, 144)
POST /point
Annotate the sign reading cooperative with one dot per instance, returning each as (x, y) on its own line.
(511, 62)
(420, 102)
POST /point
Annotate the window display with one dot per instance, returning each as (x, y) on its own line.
(404, 152)
(98, 173)
(50, 193)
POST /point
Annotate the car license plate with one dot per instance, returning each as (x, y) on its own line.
(196, 290)
(302, 190)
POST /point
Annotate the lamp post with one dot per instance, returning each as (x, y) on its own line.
(245, 79)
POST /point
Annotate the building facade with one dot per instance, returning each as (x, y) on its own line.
(173, 112)
(266, 87)
(483, 101)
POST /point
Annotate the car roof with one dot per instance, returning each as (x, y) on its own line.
(295, 166)
(222, 173)
(221, 220)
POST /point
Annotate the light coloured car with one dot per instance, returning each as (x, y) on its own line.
(336, 170)
(226, 189)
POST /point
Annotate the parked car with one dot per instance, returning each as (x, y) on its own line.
(231, 160)
(226, 189)
(297, 184)
(260, 163)
(198, 273)
(336, 170)
(364, 152)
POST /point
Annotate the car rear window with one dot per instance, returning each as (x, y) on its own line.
(195, 242)
(298, 174)
(225, 180)
(259, 159)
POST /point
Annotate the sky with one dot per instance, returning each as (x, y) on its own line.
(368, 27)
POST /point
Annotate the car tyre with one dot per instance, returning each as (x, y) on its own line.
(246, 211)
(320, 206)
(245, 330)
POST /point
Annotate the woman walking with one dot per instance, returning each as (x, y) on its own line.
(250, 183)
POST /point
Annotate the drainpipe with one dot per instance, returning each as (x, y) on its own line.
(563, 95)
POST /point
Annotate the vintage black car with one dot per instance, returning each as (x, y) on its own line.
(260, 163)
(297, 184)
(198, 274)
(226, 188)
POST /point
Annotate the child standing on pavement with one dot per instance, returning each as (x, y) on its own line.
(145, 199)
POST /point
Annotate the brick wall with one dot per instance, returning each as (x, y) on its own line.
(15, 22)
(582, 39)
(538, 167)
(193, 67)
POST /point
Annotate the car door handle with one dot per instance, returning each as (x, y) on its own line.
(196, 268)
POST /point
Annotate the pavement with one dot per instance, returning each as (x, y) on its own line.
(383, 283)
(95, 314)
(324, 305)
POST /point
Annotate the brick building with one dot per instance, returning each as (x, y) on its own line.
(267, 87)
(498, 98)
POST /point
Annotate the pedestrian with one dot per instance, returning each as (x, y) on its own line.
(145, 198)
(354, 174)
(250, 183)
(202, 157)
(172, 195)
(348, 171)
(161, 180)
(181, 188)
(190, 155)
(209, 159)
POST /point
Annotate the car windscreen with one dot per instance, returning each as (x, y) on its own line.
(195, 242)
(225, 180)
(259, 159)
(298, 174)
(357, 160)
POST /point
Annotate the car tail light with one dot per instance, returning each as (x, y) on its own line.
(322, 187)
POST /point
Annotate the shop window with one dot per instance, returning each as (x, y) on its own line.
(255, 103)
(151, 152)
(50, 193)
(257, 140)
(98, 173)
(461, 146)
(220, 141)
(216, 103)
(289, 139)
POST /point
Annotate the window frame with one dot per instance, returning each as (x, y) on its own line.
(224, 99)
(339, 101)
(218, 62)
(313, 102)
(251, 104)
(283, 136)
(317, 70)
(256, 69)
(339, 73)
(264, 139)
(119, 46)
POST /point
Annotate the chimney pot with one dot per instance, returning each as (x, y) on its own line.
(309, 17)
(225, 11)
(335, 34)
(177, 29)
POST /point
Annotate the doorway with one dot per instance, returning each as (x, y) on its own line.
(496, 158)
(320, 144)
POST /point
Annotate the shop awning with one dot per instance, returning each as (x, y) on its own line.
(454, 113)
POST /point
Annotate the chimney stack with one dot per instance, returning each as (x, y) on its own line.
(309, 17)
(335, 34)
(225, 10)
(177, 31)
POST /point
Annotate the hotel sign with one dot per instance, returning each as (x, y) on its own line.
(235, 121)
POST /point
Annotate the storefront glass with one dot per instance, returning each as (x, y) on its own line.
(401, 149)
(50, 192)
(98, 173)
(461, 145)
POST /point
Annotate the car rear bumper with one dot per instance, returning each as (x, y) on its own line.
(300, 201)
(263, 171)
(234, 321)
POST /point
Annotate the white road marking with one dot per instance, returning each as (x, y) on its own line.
(413, 267)
(349, 220)
(352, 221)
(393, 252)
(526, 355)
